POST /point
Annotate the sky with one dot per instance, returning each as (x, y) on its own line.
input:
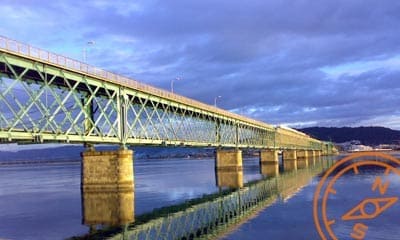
(299, 63)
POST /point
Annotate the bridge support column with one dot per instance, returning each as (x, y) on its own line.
(229, 168)
(302, 158)
(289, 160)
(107, 187)
(312, 156)
(107, 170)
(269, 163)
(318, 153)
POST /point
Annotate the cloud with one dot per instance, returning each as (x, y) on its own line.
(330, 63)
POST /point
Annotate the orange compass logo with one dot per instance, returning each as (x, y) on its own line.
(348, 219)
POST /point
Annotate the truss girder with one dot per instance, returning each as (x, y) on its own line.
(40, 102)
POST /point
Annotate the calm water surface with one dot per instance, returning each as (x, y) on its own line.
(44, 201)
(41, 201)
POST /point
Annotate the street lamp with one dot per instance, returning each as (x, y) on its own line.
(215, 100)
(172, 83)
(85, 50)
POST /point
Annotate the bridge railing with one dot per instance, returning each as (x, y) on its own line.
(26, 50)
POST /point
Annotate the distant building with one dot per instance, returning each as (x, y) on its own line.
(359, 147)
(353, 146)
(388, 146)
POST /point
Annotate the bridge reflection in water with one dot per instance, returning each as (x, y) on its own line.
(105, 207)
(110, 213)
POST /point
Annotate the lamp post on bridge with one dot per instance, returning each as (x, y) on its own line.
(172, 83)
(85, 50)
(215, 100)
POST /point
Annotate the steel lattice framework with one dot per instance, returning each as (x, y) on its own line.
(50, 98)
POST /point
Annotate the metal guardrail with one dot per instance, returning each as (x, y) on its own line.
(44, 56)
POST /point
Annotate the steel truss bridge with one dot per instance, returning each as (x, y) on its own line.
(45, 97)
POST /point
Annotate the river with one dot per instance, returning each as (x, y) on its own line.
(43, 201)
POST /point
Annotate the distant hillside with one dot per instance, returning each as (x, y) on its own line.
(65, 152)
(68, 153)
(367, 135)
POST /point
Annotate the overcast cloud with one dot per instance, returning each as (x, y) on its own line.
(301, 63)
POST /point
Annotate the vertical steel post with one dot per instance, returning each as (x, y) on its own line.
(218, 131)
(89, 114)
(89, 119)
(122, 102)
(237, 136)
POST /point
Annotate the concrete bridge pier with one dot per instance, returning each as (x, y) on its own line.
(302, 159)
(312, 156)
(317, 153)
(107, 186)
(269, 163)
(289, 160)
(107, 170)
(229, 168)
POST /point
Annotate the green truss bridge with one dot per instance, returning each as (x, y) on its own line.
(46, 97)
